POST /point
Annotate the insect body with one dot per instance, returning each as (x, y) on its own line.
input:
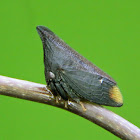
(70, 75)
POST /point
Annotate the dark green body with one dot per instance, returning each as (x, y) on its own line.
(72, 76)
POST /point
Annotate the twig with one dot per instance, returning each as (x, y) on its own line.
(95, 113)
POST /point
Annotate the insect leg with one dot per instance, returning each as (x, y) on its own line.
(83, 107)
(52, 87)
(61, 91)
(72, 94)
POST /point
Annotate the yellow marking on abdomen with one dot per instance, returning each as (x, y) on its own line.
(116, 95)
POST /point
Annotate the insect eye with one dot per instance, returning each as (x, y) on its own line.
(51, 75)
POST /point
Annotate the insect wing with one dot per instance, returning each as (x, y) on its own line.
(89, 86)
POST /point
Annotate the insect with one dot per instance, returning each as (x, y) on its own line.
(71, 76)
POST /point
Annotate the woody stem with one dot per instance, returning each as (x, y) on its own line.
(94, 113)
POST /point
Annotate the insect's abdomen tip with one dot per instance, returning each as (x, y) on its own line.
(116, 95)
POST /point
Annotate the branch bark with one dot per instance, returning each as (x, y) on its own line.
(95, 113)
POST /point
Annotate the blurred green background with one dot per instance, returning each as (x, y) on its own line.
(105, 32)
